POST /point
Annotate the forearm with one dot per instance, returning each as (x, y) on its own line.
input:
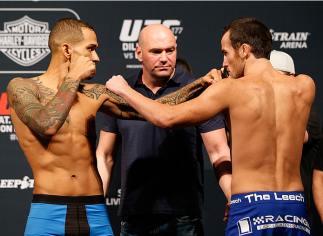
(113, 105)
(223, 173)
(317, 189)
(225, 184)
(44, 119)
(105, 169)
(184, 94)
(53, 115)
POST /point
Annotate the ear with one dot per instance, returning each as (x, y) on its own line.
(139, 53)
(66, 50)
(245, 50)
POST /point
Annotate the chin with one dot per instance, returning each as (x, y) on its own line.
(90, 78)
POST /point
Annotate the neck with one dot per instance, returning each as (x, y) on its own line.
(154, 83)
(56, 73)
(255, 66)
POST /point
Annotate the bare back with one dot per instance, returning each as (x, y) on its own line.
(267, 116)
(64, 164)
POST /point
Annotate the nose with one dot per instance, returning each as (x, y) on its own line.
(95, 57)
(225, 62)
(163, 57)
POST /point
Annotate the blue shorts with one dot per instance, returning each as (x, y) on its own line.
(63, 215)
(268, 213)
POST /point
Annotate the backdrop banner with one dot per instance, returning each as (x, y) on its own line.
(296, 28)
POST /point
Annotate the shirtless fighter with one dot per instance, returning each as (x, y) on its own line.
(266, 113)
(54, 118)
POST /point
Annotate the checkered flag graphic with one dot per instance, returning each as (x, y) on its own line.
(258, 220)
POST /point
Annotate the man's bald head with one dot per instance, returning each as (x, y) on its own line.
(157, 52)
(153, 31)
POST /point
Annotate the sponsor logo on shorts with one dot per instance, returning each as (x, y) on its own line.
(287, 221)
(25, 41)
(270, 222)
(235, 201)
(244, 226)
(24, 183)
(130, 33)
(291, 40)
(276, 196)
(6, 126)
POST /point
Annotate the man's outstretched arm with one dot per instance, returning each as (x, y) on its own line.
(118, 107)
(190, 113)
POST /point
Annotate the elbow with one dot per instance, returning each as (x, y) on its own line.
(45, 132)
(165, 123)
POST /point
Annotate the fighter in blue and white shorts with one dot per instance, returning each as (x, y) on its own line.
(64, 215)
(268, 213)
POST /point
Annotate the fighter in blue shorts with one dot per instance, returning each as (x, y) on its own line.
(268, 213)
(85, 215)
(266, 113)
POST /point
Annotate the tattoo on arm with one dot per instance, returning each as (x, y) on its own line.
(126, 111)
(24, 97)
(99, 89)
(184, 94)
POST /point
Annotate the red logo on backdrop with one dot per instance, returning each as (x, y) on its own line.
(4, 106)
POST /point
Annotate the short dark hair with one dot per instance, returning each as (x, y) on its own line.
(251, 31)
(67, 30)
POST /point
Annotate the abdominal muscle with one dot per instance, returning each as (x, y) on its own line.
(63, 165)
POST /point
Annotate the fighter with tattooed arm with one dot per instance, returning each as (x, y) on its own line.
(54, 118)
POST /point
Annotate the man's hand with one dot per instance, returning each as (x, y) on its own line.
(213, 76)
(82, 69)
(116, 84)
(226, 213)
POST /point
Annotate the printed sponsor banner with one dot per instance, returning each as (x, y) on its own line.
(24, 183)
(129, 35)
(24, 38)
(293, 40)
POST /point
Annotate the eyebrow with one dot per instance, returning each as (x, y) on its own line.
(154, 49)
(93, 45)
